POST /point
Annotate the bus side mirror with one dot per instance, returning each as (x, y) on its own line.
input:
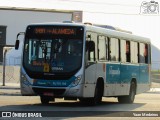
(17, 41)
(90, 45)
(17, 45)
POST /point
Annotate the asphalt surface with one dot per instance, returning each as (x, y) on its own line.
(145, 103)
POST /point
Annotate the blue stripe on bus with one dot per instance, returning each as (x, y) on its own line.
(123, 73)
(54, 83)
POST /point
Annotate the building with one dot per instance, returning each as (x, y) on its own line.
(2, 40)
(14, 20)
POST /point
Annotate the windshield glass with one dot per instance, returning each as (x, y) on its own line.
(55, 52)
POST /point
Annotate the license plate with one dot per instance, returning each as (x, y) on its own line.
(48, 94)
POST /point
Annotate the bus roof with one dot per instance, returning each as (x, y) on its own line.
(118, 34)
(102, 31)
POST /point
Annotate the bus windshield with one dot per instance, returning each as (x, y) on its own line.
(53, 50)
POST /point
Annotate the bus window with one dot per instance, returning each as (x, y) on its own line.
(141, 55)
(114, 49)
(101, 48)
(149, 53)
(134, 52)
(146, 53)
(90, 50)
(91, 53)
(107, 47)
(128, 52)
(123, 50)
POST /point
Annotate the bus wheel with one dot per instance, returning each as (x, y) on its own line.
(85, 101)
(129, 98)
(98, 93)
(45, 99)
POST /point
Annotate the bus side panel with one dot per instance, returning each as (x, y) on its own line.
(118, 78)
(144, 81)
(101, 73)
(128, 72)
(90, 81)
(112, 79)
(26, 84)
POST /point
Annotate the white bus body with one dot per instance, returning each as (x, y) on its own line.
(110, 63)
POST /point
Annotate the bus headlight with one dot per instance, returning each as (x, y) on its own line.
(25, 81)
(76, 81)
(23, 78)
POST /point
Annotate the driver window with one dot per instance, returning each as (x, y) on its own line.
(91, 55)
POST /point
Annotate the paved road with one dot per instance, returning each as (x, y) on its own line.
(11, 100)
(145, 103)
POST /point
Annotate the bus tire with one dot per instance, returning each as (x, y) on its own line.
(45, 99)
(84, 101)
(129, 98)
(98, 93)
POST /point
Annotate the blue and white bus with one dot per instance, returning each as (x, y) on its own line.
(85, 62)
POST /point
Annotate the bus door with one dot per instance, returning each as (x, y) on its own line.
(91, 68)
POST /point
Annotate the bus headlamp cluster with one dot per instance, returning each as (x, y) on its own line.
(76, 81)
(24, 80)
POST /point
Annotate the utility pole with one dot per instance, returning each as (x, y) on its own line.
(6, 49)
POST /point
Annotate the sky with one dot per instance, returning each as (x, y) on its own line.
(125, 14)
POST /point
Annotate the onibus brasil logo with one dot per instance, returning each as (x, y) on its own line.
(151, 7)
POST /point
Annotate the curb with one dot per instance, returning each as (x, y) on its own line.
(10, 94)
(13, 88)
(154, 90)
(10, 86)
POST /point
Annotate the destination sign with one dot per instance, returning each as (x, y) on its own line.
(55, 31)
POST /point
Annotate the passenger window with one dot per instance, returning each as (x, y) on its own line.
(123, 50)
(134, 52)
(128, 52)
(146, 53)
(102, 48)
(114, 49)
(142, 52)
(91, 54)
